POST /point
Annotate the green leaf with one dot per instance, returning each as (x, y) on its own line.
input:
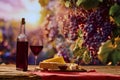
(115, 32)
(115, 57)
(117, 20)
(115, 13)
(89, 4)
(67, 3)
(78, 3)
(100, 0)
(114, 10)
(80, 33)
(86, 57)
(104, 51)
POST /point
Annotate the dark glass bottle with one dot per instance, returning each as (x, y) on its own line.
(22, 49)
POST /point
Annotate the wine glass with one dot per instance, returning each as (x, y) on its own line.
(36, 46)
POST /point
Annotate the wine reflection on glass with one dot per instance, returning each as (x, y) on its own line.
(36, 46)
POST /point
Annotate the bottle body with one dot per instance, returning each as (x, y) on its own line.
(22, 56)
(22, 50)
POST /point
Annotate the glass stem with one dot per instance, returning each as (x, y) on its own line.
(35, 60)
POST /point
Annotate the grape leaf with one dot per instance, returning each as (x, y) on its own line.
(89, 4)
(79, 2)
(115, 13)
(115, 32)
(114, 10)
(115, 57)
(105, 49)
(67, 3)
(117, 20)
(86, 57)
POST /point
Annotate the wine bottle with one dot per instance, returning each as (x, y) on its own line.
(22, 49)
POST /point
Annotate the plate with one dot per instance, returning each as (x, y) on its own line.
(79, 70)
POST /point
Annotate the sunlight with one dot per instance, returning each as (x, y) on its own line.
(29, 9)
(32, 12)
(31, 18)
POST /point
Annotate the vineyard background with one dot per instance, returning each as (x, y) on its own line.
(74, 29)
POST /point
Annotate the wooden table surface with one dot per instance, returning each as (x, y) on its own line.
(9, 72)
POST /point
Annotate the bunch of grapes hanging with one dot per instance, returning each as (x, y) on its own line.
(64, 51)
(51, 28)
(93, 19)
(74, 19)
(90, 17)
(97, 29)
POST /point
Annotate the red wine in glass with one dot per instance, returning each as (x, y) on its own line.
(36, 45)
(36, 49)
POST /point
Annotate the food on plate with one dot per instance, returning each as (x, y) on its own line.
(73, 66)
(63, 67)
(56, 59)
(52, 63)
(58, 63)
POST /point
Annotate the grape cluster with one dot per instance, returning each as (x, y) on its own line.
(73, 28)
(74, 19)
(97, 29)
(63, 51)
(65, 28)
(52, 28)
(53, 32)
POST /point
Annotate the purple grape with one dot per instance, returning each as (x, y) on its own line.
(97, 29)
(63, 51)
(52, 28)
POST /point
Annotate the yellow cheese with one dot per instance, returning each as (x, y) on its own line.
(55, 59)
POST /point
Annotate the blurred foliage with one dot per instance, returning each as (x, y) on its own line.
(109, 52)
(43, 3)
(88, 4)
(115, 13)
(67, 4)
(59, 11)
(86, 57)
(8, 34)
(44, 12)
(1, 23)
(1, 36)
(81, 53)
(115, 33)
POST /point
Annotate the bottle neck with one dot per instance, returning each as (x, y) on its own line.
(22, 29)
(22, 36)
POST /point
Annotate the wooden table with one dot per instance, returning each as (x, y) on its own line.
(9, 72)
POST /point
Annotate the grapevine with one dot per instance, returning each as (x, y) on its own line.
(97, 20)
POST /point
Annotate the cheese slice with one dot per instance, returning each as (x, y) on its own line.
(56, 59)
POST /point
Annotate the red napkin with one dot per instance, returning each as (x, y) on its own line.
(76, 76)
